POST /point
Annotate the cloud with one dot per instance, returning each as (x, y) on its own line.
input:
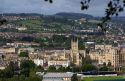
(97, 7)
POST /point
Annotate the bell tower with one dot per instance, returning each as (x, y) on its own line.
(75, 51)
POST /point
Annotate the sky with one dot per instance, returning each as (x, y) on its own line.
(97, 7)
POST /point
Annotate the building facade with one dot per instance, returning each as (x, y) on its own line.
(108, 53)
(75, 56)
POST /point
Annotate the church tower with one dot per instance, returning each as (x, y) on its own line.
(75, 58)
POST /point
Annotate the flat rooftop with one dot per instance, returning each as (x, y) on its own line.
(58, 75)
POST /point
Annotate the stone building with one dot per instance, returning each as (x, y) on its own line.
(75, 55)
(108, 53)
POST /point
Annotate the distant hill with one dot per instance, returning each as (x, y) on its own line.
(119, 19)
(73, 15)
(20, 14)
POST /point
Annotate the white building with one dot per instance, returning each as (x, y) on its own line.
(2, 67)
(39, 62)
(64, 63)
(22, 28)
(57, 77)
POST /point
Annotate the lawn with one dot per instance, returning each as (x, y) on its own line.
(118, 78)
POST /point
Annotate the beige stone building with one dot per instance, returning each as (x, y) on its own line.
(60, 57)
(7, 50)
(75, 55)
(108, 53)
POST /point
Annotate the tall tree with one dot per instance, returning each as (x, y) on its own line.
(51, 69)
(104, 67)
(23, 54)
(88, 67)
(26, 66)
(74, 77)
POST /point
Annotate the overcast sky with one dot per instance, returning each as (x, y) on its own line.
(97, 7)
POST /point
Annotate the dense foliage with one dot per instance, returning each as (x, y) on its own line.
(23, 54)
(26, 72)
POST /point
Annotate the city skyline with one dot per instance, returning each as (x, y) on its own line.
(45, 41)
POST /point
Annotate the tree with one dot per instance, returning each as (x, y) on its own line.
(23, 78)
(3, 56)
(61, 69)
(51, 1)
(8, 72)
(25, 72)
(13, 66)
(39, 69)
(51, 69)
(76, 69)
(104, 64)
(68, 69)
(1, 73)
(104, 67)
(81, 45)
(27, 39)
(109, 64)
(36, 69)
(74, 77)
(2, 21)
(88, 67)
(16, 78)
(23, 54)
(34, 78)
(86, 60)
(26, 66)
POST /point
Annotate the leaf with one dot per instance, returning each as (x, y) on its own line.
(51, 1)
(121, 9)
(82, 2)
(110, 4)
(124, 4)
(82, 7)
(45, 0)
(116, 14)
(89, 1)
(124, 1)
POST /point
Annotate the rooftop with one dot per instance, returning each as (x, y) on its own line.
(58, 75)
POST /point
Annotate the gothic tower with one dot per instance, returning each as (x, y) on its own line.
(75, 51)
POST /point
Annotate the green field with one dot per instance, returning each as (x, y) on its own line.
(118, 78)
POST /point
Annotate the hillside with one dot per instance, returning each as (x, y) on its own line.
(119, 19)
(73, 15)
